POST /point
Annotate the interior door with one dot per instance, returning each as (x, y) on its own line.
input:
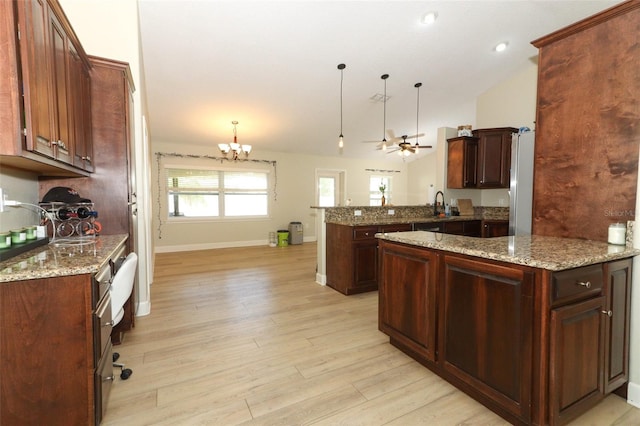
(329, 187)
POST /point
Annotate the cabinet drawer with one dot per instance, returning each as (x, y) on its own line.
(102, 383)
(103, 325)
(364, 232)
(399, 227)
(576, 284)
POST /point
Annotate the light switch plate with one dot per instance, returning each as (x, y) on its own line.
(357, 212)
(392, 212)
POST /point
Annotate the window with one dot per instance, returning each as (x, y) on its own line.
(194, 193)
(375, 195)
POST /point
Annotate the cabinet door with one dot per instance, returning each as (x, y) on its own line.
(35, 55)
(365, 265)
(455, 228)
(576, 357)
(407, 297)
(495, 228)
(60, 73)
(618, 303)
(485, 328)
(80, 95)
(462, 153)
(494, 158)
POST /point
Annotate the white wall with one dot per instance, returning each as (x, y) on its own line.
(511, 103)
(110, 29)
(295, 196)
(20, 186)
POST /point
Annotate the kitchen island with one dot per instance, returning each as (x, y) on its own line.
(535, 328)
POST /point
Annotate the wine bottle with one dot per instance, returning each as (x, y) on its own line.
(65, 214)
(84, 213)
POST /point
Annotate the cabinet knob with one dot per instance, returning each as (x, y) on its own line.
(584, 284)
(366, 233)
(86, 158)
(608, 313)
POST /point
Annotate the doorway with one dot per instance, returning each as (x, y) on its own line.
(330, 187)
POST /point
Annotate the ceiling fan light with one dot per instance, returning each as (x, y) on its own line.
(416, 148)
(341, 142)
(384, 145)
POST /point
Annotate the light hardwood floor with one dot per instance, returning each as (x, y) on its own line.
(246, 336)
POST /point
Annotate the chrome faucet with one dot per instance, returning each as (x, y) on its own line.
(435, 203)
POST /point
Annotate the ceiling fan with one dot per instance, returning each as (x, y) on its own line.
(405, 148)
(393, 141)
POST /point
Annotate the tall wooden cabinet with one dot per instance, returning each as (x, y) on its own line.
(587, 133)
(110, 187)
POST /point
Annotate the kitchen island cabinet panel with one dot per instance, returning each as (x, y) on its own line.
(485, 329)
(577, 350)
(617, 332)
(409, 284)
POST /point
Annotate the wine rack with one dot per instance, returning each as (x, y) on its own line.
(71, 223)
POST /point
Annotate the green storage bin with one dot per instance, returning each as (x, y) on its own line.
(283, 238)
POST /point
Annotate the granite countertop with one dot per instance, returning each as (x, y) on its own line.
(551, 253)
(55, 260)
(365, 221)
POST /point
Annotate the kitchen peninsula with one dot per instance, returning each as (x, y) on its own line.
(351, 247)
(535, 328)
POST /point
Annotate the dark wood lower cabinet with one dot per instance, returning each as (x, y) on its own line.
(352, 256)
(411, 314)
(535, 346)
(576, 354)
(486, 330)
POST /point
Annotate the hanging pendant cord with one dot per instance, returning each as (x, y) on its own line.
(341, 80)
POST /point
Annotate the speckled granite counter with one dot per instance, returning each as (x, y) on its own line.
(365, 221)
(60, 260)
(551, 253)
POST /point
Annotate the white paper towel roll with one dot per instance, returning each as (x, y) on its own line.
(431, 194)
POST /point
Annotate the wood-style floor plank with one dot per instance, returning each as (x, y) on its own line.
(245, 336)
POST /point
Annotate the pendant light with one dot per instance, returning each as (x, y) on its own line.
(417, 145)
(384, 112)
(341, 67)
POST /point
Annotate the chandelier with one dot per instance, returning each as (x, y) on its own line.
(234, 147)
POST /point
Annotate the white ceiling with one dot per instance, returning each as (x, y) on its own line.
(272, 66)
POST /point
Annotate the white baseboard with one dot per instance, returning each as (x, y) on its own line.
(226, 244)
(321, 279)
(633, 394)
(144, 308)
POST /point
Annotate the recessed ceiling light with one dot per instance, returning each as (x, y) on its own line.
(500, 47)
(429, 18)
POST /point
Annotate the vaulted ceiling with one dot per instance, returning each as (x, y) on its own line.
(272, 66)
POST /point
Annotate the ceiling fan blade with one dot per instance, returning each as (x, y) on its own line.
(392, 135)
(415, 136)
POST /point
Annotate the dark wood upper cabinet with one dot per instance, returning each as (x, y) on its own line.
(462, 162)
(482, 161)
(43, 78)
(587, 133)
(494, 157)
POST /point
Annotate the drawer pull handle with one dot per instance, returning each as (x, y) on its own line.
(608, 313)
(108, 378)
(584, 284)
(108, 324)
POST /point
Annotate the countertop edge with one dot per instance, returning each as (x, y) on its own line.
(51, 261)
(595, 251)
